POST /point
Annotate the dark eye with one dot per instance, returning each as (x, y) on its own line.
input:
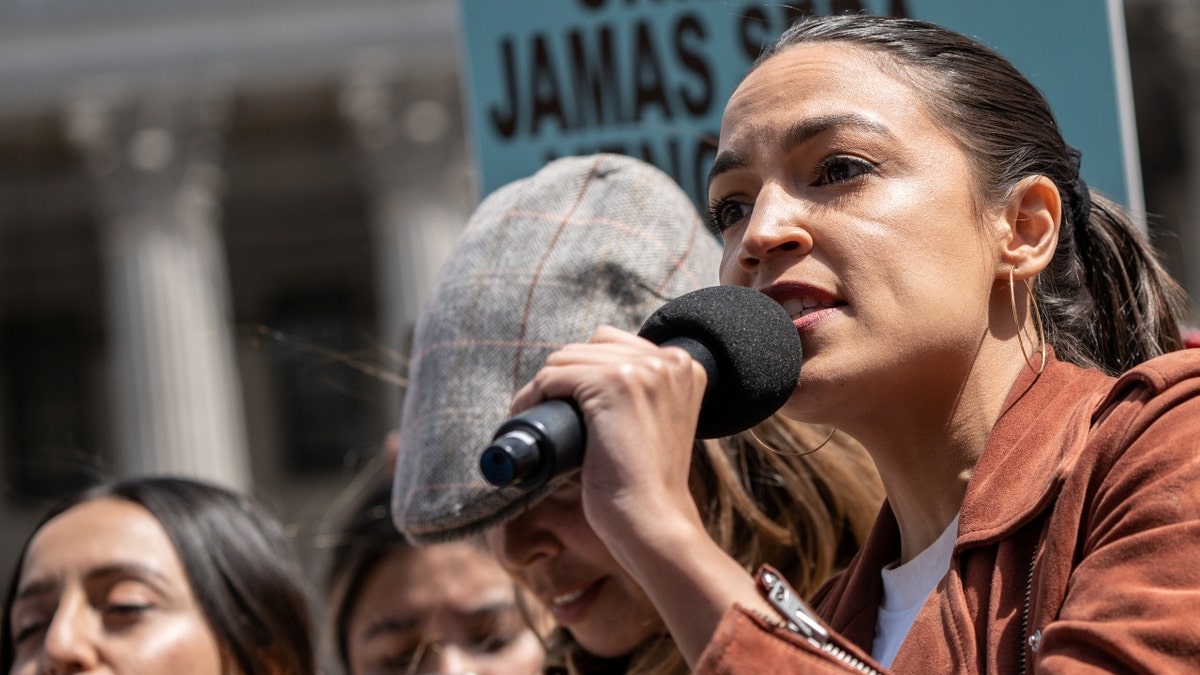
(125, 609)
(399, 662)
(493, 642)
(727, 213)
(840, 169)
(28, 631)
(123, 615)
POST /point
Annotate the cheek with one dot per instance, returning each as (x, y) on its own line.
(582, 542)
(493, 540)
(523, 656)
(176, 644)
(730, 273)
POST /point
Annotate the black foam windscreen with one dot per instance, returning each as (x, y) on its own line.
(754, 343)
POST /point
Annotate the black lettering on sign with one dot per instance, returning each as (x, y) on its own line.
(592, 4)
(845, 7)
(597, 87)
(754, 31)
(505, 121)
(668, 161)
(603, 75)
(686, 159)
(689, 45)
(649, 88)
(547, 99)
(757, 29)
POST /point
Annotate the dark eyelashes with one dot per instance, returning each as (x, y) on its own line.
(841, 168)
(127, 609)
(27, 632)
(719, 216)
(830, 171)
(712, 222)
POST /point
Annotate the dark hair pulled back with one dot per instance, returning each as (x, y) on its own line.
(1106, 300)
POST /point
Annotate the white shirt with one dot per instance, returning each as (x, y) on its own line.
(905, 589)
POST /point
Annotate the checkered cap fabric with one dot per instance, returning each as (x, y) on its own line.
(585, 242)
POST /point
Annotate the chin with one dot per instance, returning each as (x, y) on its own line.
(604, 642)
(605, 647)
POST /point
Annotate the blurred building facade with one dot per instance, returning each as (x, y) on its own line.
(218, 219)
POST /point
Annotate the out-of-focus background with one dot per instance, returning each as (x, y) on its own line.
(218, 219)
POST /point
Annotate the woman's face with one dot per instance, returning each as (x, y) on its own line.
(843, 199)
(103, 590)
(553, 552)
(446, 608)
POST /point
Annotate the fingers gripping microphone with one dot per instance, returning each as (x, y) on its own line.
(746, 343)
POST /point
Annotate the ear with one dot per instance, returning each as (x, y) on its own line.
(1027, 228)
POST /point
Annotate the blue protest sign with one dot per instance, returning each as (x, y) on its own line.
(649, 78)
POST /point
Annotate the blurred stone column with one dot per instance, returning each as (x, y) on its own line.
(1185, 20)
(1164, 50)
(408, 128)
(154, 158)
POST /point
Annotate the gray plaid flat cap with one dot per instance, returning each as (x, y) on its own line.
(585, 242)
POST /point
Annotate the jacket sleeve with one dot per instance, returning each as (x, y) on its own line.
(746, 642)
(1132, 600)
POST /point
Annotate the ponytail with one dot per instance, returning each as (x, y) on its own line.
(1108, 301)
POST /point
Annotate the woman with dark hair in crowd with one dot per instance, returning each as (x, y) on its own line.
(1000, 338)
(392, 607)
(157, 575)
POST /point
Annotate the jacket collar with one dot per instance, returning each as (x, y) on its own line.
(1027, 455)
(1030, 450)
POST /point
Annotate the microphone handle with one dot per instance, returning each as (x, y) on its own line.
(539, 443)
(548, 439)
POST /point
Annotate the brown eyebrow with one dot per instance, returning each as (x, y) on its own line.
(102, 572)
(40, 587)
(128, 569)
(726, 161)
(799, 133)
(391, 625)
(805, 130)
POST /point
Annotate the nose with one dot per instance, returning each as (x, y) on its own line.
(526, 540)
(777, 229)
(69, 642)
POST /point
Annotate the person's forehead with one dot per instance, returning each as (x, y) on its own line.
(100, 531)
(805, 85)
(461, 574)
(811, 73)
(96, 545)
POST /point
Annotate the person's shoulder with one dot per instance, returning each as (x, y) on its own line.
(1152, 388)
(1161, 373)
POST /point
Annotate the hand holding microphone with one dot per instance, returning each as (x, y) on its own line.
(746, 344)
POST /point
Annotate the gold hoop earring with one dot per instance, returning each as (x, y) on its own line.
(767, 447)
(1037, 317)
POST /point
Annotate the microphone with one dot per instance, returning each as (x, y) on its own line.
(745, 342)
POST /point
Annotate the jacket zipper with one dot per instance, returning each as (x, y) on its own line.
(1028, 644)
(802, 621)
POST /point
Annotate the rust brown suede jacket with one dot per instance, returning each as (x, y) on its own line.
(1078, 547)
